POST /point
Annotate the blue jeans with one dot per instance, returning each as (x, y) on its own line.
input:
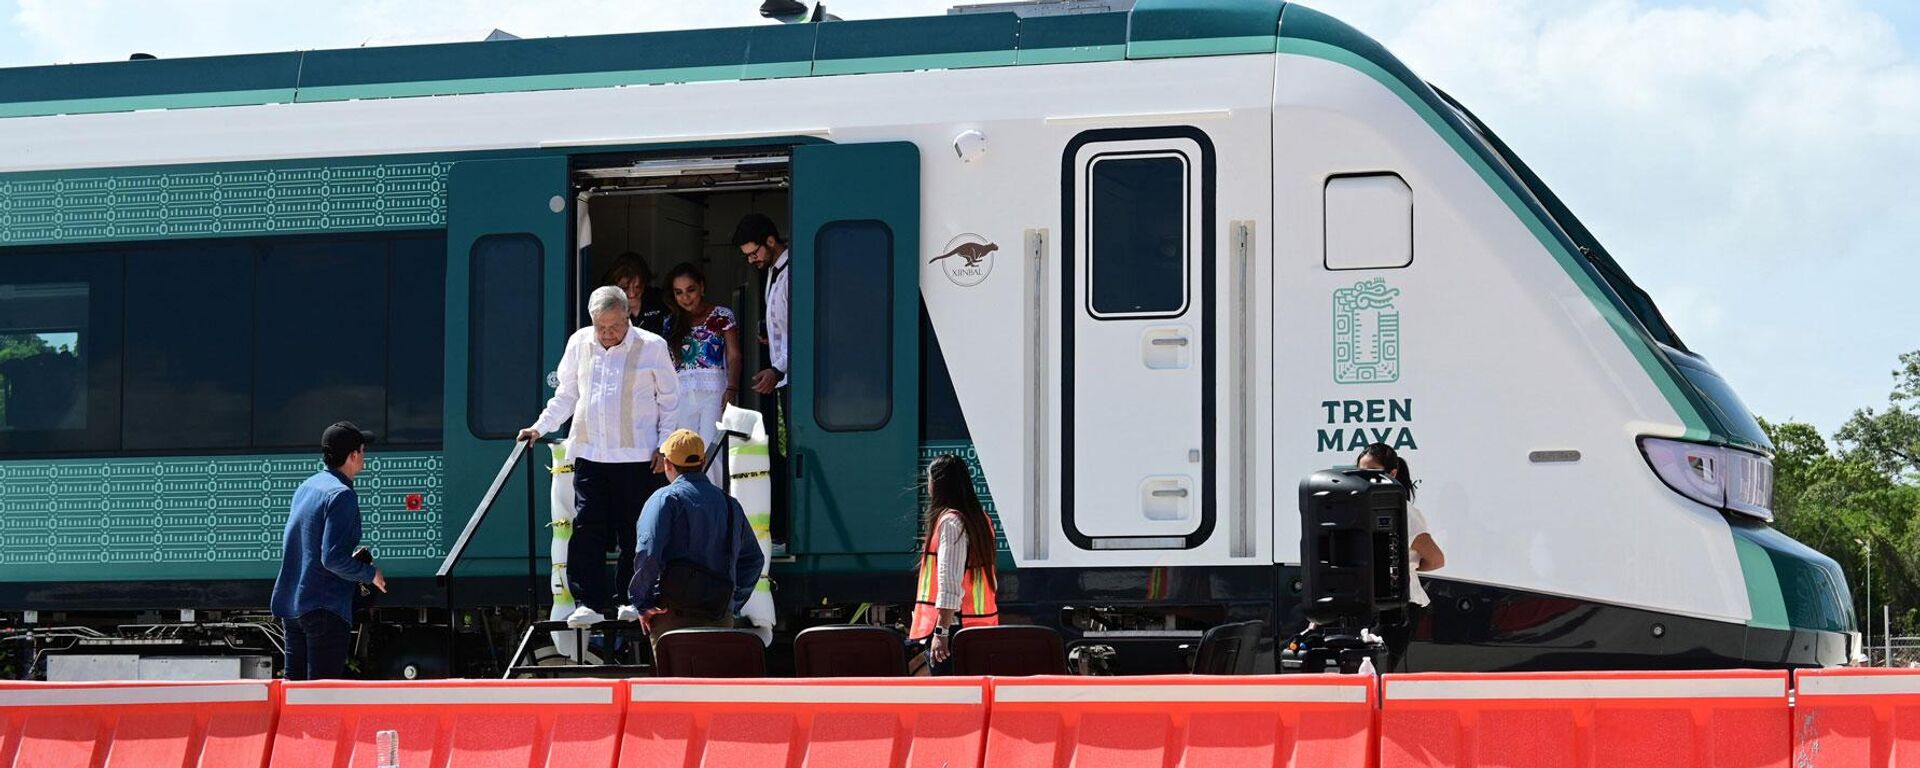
(317, 644)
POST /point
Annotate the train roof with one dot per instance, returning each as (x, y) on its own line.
(1150, 29)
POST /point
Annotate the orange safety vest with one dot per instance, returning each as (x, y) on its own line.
(978, 607)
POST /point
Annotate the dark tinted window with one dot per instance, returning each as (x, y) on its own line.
(503, 392)
(59, 351)
(188, 330)
(320, 345)
(853, 340)
(1137, 246)
(416, 340)
(221, 345)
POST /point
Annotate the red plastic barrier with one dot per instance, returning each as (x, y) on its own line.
(1727, 719)
(1301, 720)
(465, 723)
(135, 725)
(930, 722)
(1857, 718)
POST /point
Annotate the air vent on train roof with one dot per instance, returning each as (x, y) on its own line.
(1026, 8)
(795, 12)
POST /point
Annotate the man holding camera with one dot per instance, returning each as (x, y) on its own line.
(319, 574)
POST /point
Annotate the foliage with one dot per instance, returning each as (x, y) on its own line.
(1863, 488)
(17, 347)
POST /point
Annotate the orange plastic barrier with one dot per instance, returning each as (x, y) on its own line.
(135, 725)
(1296, 720)
(1857, 718)
(1722, 719)
(465, 723)
(930, 722)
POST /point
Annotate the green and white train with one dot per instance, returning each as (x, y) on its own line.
(1147, 267)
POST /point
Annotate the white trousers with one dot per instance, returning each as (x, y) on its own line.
(700, 411)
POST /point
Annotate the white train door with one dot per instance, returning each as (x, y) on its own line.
(1137, 428)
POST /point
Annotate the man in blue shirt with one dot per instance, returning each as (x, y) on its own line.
(313, 597)
(696, 559)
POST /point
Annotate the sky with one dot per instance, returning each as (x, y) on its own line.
(1748, 163)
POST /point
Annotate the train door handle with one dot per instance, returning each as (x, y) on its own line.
(1167, 348)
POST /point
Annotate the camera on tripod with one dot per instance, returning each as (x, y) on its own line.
(1353, 564)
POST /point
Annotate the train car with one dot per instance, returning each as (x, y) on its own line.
(1146, 268)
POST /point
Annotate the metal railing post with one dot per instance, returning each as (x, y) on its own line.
(444, 576)
(533, 527)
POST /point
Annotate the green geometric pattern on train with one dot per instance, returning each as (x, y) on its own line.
(97, 206)
(229, 509)
(1366, 333)
(933, 450)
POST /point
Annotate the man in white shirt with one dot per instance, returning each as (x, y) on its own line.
(618, 386)
(759, 241)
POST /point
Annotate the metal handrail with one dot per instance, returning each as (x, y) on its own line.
(521, 449)
(459, 549)
(444, 576)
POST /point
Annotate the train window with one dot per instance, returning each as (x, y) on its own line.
(853, 336)
(59, 352)
(320, 340)
(416, 341)
(187, 384)
(1369, 222)
(43, 371)
(1138, 209)
(505, 338)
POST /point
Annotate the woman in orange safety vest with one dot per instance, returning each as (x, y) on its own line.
(957, 575)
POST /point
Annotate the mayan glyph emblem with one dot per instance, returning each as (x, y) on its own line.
(1366, 333)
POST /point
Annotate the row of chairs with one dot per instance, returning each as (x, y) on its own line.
(852, 650)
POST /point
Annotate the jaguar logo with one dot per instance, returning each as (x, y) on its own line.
(967, 259)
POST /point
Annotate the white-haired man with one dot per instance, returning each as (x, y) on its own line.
(618, 385)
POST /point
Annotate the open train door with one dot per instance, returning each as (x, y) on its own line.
(507, 317)
(856, 348)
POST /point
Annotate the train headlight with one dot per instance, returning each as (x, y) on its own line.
(1719, 477)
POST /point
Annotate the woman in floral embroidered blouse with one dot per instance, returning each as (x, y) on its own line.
(705, 342)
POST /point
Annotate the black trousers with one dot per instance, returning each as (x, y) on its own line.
(317, 645)
(1398, 631)
(780, 465)
(607, 501)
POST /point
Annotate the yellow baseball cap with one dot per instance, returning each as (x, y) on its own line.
(684, 448)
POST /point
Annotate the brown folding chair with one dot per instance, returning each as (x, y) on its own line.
(710, 653)
(849, 650)
(1008, 651)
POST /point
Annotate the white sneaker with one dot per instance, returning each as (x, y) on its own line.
(583, 617)
(628, 613)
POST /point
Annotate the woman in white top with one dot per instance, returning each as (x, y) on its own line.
(958, 577)
(1423, 555)
(705, 341)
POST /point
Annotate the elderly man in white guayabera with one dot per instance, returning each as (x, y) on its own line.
(618, 385)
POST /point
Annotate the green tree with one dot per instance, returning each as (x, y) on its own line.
(17, 347)
(1890, 439)
(1864, 487)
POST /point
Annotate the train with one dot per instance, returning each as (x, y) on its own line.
(1145, 268)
